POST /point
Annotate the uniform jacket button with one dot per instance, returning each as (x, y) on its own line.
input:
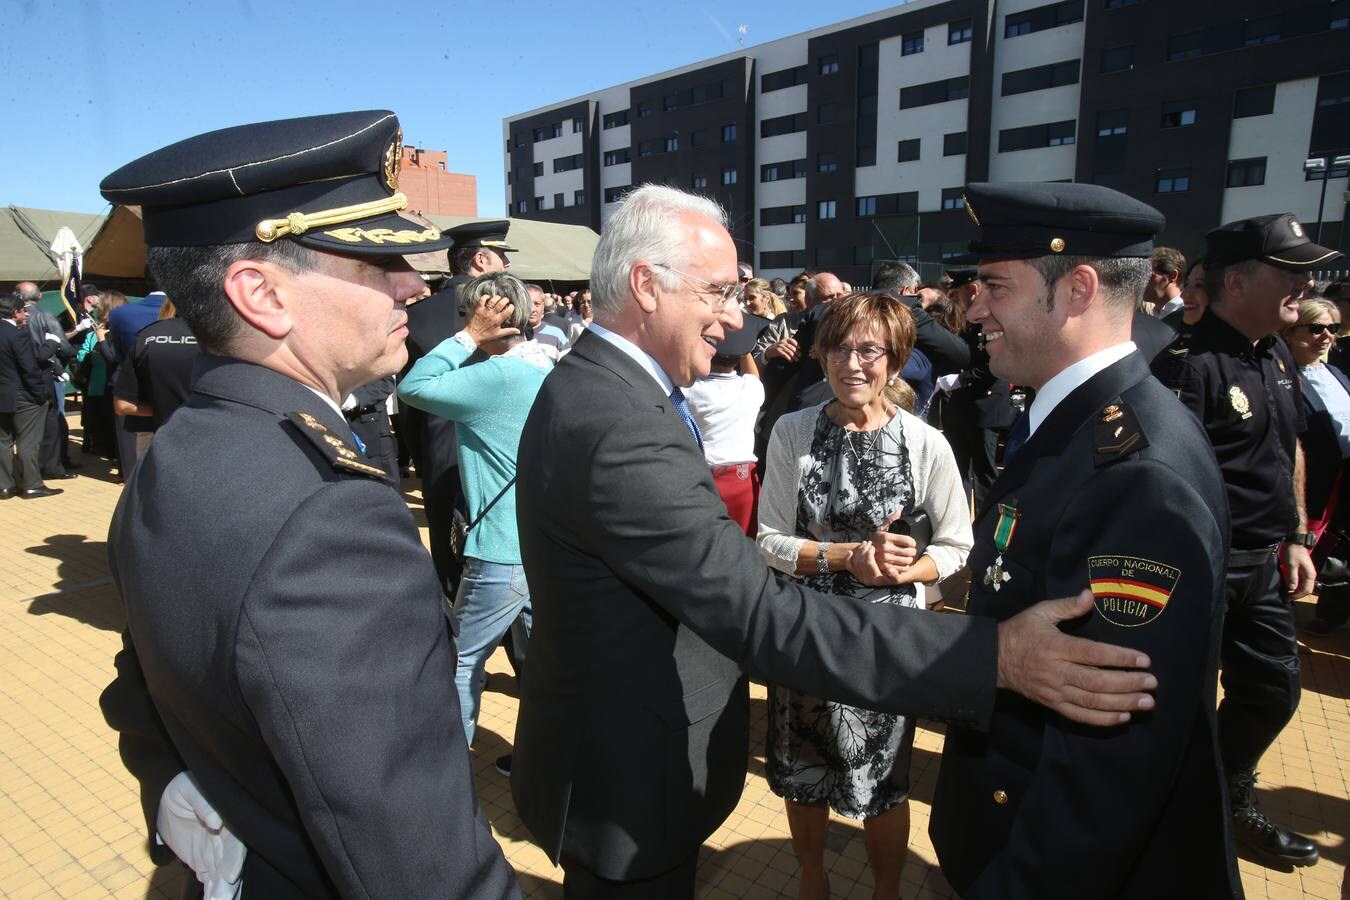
(1000, 797)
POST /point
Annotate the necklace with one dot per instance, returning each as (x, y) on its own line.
(868, 445)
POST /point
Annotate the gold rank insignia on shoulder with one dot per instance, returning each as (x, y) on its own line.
(1117, 433)
(1130, 591)
(1237, 398)
(1280, 363)
(339, 455)
(1178, 351)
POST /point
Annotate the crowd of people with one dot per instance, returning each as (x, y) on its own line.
(680, 477)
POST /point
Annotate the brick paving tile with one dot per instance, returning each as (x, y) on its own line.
(73, 826)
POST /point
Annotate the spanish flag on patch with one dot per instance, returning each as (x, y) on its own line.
(1130, 591)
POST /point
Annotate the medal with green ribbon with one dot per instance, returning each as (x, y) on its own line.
(995, 576)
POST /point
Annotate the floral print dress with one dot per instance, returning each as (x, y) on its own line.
(819, 751)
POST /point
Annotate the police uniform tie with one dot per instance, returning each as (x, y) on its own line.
(682, 410)
(1017, 436)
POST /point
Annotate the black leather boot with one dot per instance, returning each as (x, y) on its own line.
(1255, 831)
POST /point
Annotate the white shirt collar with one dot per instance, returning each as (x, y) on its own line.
(1068, 380)
(326, 399)
(637, 354)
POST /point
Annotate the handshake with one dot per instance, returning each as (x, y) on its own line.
(197, 835)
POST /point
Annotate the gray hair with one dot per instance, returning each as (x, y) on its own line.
(644, 228)
(499, 284)
(30, 295)
(897, 277)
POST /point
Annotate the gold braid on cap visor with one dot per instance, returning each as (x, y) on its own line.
(269, 230)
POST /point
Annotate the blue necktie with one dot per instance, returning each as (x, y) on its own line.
(682, 410)
(1017, 436)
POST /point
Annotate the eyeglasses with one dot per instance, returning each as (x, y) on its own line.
(722, 295)
(867, 353)
(1316, 328)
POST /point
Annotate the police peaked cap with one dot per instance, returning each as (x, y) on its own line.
(1277, 240)
(491, 233)
(1025, 220)
(328, 182)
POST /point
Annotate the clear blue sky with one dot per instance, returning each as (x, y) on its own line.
(91, 84)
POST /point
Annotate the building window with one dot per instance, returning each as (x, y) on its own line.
(1246, 172)
(699, 181)
(728, 176)
(825, 209)
(827, 162)
(1178, 114)
(1118, 59)
(522, 206)
(645, 109)
(1172, 181)
(782, 259)
(781, 171)
(935, 92)
(698, 137)
(888, 204)
(1185, 46)
(867, 206)
(911, 43)
(1040, 77)
(538, 169)
(1256, 101)
(786, 78)
(782, 125)
(828, 64)
(728, 133)
(1319, 174)
(578, 198)
(1113, 122)
(615, 119)
(954, 143)
(577, 126)
(567, 164)
(1340, 15)
(959, 32)
(782, 215)
(1053, 134)
(558, 201)
(953, 198)
(908, 150)
(548, 132)
(520, 142)
(615, 194)
(1261, 31)
(672, 144)
(618, 157)
(1043, 17)
(865, 156)
(538, 203)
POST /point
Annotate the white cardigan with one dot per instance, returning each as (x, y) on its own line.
(937, 490)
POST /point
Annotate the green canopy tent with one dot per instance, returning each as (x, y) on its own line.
(25, 236)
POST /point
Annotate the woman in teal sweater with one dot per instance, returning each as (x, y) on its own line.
(488, 402)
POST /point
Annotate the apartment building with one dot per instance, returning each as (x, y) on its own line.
(847, 145)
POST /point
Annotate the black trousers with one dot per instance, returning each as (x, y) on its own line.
(440, 512)
(580, 883)
(1260, 665)
(21, 445)
(54, 453)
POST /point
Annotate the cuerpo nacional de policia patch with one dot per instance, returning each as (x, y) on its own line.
(1130, 591)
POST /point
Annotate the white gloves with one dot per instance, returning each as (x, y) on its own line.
(195, 832)
(349, 403)
(84, 325)
(949, 383)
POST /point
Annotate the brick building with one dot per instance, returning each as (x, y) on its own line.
(431, 187)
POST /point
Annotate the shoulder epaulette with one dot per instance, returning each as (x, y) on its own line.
(342, 457)
(1117, 433)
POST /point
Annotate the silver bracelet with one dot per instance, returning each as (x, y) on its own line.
(822, 565)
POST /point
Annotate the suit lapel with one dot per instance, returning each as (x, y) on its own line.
(595, 349)
(1066, 418)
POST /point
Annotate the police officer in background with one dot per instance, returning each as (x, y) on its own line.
(479, 248)
(367, 412)
(1236, 374)
(291, 690)
(1115, 490)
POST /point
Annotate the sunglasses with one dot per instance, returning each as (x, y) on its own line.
(1316, 329)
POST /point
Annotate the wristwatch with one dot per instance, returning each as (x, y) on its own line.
(1302, 538)
(822, 565)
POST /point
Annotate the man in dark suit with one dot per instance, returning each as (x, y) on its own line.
(24, 396)
(652, 607)
(1115, 490)
(479, 248)
(53, 353)
(294, 681)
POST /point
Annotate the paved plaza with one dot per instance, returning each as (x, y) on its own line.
(70, 819)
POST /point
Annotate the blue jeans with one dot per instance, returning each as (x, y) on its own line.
(490, 599)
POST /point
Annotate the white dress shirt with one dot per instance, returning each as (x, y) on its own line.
(1070, 379)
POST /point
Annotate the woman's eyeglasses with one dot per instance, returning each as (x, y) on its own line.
(1316, 328)
(867, 354)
